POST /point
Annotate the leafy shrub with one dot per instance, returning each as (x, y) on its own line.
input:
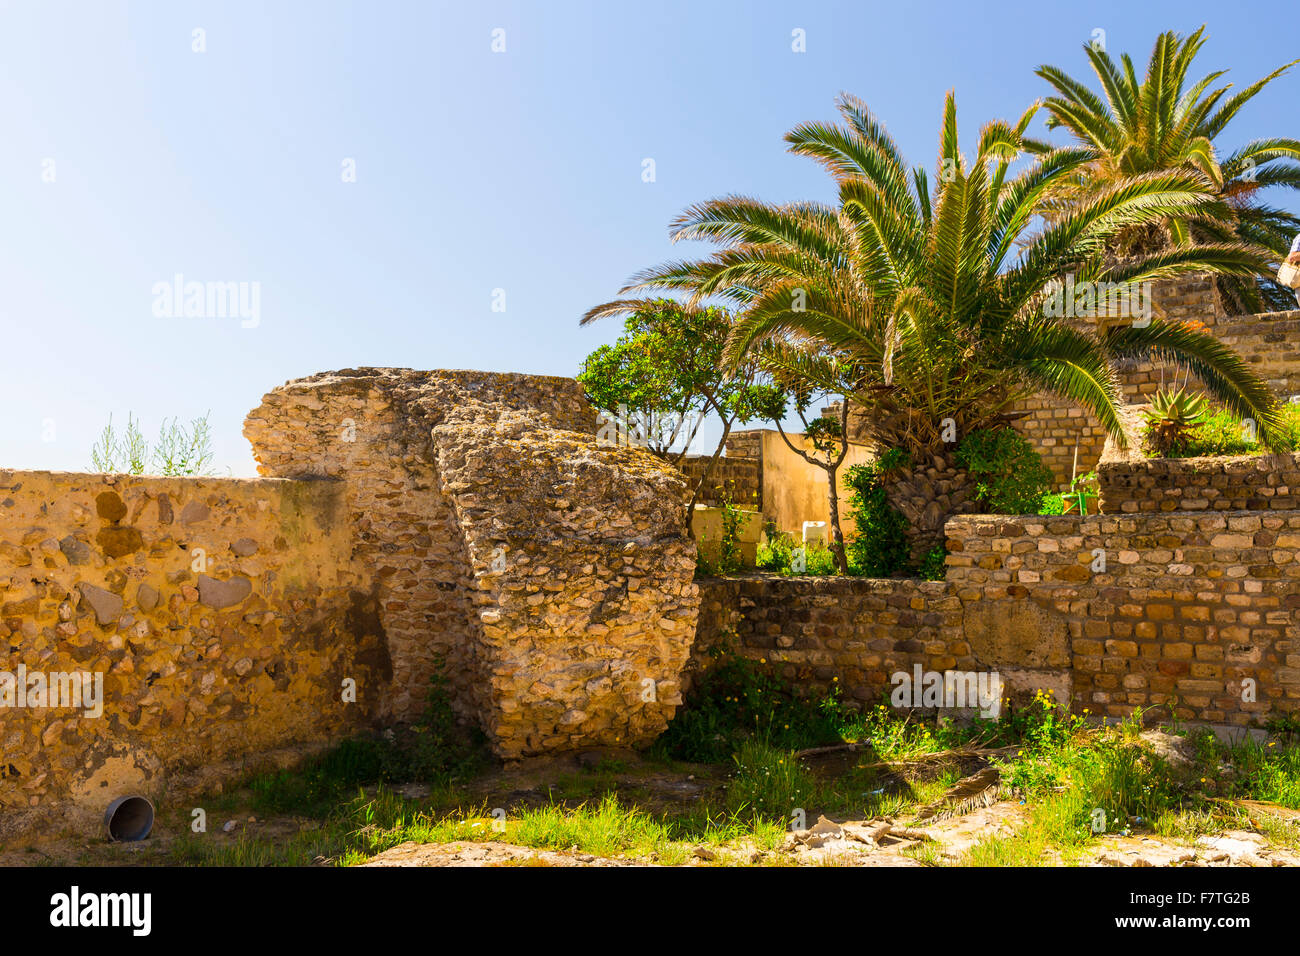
(933, 567)
(1010, 477)
(776, 553)
(735, 700)
(880, 548)
(438, 746)
(1052, 504)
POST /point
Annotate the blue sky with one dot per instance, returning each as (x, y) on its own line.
(475, 171)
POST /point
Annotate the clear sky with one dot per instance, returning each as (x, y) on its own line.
(128, 158)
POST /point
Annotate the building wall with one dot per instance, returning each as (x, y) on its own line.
(1269, 344)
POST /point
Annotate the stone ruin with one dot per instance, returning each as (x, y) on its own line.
(550, 574)
(406, 522)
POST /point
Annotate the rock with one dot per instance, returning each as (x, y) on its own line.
(146, 597)
(110, 506)
(194, 512)
(106, 605)
(15, 555)
(244, 547)
(118, 542)
(221, 594)
(75, 550)
(1178, 752)
(230, 825)
(819, 833)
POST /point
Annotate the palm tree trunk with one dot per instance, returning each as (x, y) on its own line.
(927, 496)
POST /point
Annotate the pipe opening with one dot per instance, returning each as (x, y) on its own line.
(129, 819)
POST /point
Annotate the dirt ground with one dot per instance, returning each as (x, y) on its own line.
(842, 841)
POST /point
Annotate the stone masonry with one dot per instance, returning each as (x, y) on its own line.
(551, 575)
(1195, 615)
(222, 617)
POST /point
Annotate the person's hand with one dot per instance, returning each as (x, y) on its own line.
(1294, 258)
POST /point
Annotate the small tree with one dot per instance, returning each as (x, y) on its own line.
(664, 376)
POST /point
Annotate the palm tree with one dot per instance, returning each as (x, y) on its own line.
(926, 303)
(1161, 123)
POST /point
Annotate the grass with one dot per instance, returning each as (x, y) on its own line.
(748, 731)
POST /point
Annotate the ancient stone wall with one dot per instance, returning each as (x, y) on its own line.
(461, 521)
(1269, 344)
(220, 617)
(1185, 610)
(741, 478)
(1244, 482)
(551, 574)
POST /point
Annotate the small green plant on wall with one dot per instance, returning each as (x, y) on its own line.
(727, 557)
(729, 546)
(1171, 421)
(1083, 491)
(179, 450)
(1181, 424)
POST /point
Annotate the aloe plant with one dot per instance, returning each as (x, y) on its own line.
(1172, 418)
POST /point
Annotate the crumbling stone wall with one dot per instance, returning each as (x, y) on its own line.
(221, 615)
(556, 579)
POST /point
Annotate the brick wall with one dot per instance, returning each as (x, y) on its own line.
(1270, 345)
(742, 477)
(1245, 482)
(1185, 610)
